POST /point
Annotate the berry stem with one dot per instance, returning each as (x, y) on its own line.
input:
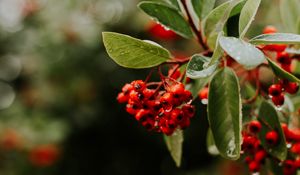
(149, 75)
(252, 99)
(194, 28)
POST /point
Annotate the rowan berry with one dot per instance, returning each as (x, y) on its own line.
(291, 87)
(278, 100)
(188, 110)
(254, 126)
(272, 138)
(283, 58)
(260, 155)
(275, 90)
(254, 166)
(122, 98)
(203, 93)
(138, 85)
(269, 30)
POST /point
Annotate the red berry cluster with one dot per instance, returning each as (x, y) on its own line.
(160, 110)
(292, 164)
(252, 147)
(256, 154)
(276, 91)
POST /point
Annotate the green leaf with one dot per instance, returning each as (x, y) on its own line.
(218, 52)
(289, 10)
(168, 17)
(203, 7)
(174, 145)
(210, 143)
(196, 67)
(175, 3)
(247, 16)
(214, 23)
(269, 119)
(278, 71)
(276, 38)
(133, 53)
(242, 52)
(225, 114)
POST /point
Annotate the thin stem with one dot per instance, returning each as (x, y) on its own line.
(194, 28)
(252, 99)
(149, 75)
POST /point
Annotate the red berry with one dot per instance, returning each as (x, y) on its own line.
(275, 47)
(177, 115)
(44, 155)
(185, 123)
(148, 93)
(283, 58)
(188, 110)
(278, 100)
(269, 30)
(177, 90)
(203, 93)
(248, 159)
(136, 96)
(286, 67)
(167, 99)
(296, 148)
(254, 126)
(272, 138)
(142, 115)
(275, 90)
(260, 155)
(187, 96)
(187, 80)
(122, 98)
(132, 109)
(148, 123)
(291, 87)
(289, 167)
(158, 31)
(254, 166)
(249, 143)
(127, 88)
(138, 85)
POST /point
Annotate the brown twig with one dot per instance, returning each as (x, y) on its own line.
(194, 28)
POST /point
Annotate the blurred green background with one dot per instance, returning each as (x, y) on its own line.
(58, 89)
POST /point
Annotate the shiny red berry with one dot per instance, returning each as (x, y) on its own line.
(283, 58)
(149, 123)
(185, 123)
(175, 75)
(269, 30)
(248, 159)
(260, 155)
(278, 100)
(272, 138)
(138, 85)
(142, 115)
(254, 166)
(132, 109)
(136, 96)
(158, 31)
(203, 93)
(167, 99)
(254, 126)
(188, 110)
(289, 167)
(122, 98)
(275, 90)
(177, 115)
(177, 89)
(275, 47)
(296, 148)
(291, 87)
(127, 88)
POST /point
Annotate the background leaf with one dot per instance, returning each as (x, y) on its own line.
(289, 10)
(278, 71)
(168, 17)
(196, 67)
(214, 23)
(269, 119)
(276, 38)
(224, 113)
(247, 16)
(174, 145)
(133, 53)
(175, 3)
(242, 52)
(203, 7)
